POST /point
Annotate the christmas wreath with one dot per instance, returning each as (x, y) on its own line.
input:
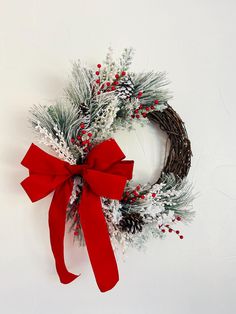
(92, 182)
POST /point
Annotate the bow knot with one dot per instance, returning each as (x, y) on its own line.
(77, 169)
(105, 174)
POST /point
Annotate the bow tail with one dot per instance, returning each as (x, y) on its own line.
(97, 240)
(57, 220)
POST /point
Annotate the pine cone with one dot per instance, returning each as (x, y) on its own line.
(131, 222)
(84, 108)
(125, 89)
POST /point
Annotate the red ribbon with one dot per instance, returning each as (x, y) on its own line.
(104, 174)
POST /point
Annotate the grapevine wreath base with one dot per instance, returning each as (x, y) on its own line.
(89, 176)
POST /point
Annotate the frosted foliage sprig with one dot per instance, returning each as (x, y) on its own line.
(108, 71)
(139, 240)
(76, 190)
(170, 195)
(58, 143)
(126, 59)
(102, 125)
(113, 214)
(111, 67)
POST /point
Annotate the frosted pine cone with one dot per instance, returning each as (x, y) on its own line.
(125, 88)
(131, 222)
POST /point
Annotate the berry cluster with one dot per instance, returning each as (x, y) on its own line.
(142, 111)
(165, 228)
(83, 139)
(133, 196)
(107, 86)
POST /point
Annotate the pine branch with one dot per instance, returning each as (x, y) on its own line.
(64, 115)
(151, 84)
(81, 87)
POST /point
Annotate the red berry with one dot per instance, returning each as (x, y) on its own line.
(123, 73)
(144, 114)
(97, 72)
(116, 82)
(72, 140)
(156, 102)
(135, 193)
(113, 88)
(147, 108)
(136, 110)
(90, 134)
(141, 107)
(178, 218)
(181, 237)
(138, 187)
(153, 194)
(170, 230)
(132, 116)
(140, 94)
(163, 230)
(102, 86)
(76, 233)
(117, 76)
(137, 116)
(82, 125)
(177, 231)
(99, 92)
(142, 197)
(79, 137)
(99, 65)
(84, 132)
(98, 81)
(108, 83)
(152, 107)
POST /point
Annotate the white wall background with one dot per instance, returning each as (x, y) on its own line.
(194, 41)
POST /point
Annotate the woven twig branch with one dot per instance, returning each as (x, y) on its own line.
(178, 161)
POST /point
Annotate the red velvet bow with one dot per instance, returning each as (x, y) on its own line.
(104, 174)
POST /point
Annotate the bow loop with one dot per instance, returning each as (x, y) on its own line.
(104, 155)
(105, 184)
(40, 162)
